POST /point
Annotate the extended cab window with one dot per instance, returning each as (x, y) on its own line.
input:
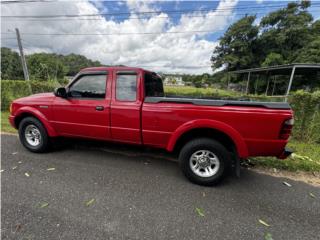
(153, 85)
(89, 86)
(126, 86)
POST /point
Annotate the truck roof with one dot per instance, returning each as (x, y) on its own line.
(120, 68)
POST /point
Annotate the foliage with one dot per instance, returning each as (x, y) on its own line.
(77, 62)
(306, 108)
(287, 35)
(199, 92)
(5, 125)
(43, 66)
(273, 59)
(237, 46)
(310, 53)
(13, 89)
(10, 64)
(306, 157)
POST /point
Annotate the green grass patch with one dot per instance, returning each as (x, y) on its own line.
(306, 157)
(199, 92)
(5, 125)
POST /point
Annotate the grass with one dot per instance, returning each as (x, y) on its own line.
(199, 92)
(306, 156)
(5, 125)
(188, 91)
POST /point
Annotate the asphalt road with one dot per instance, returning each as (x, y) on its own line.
(139, 196)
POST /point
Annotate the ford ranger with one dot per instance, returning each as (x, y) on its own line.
(127, 105)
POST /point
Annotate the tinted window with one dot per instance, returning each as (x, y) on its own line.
(89, 86)
(153, 85)
(126, 87)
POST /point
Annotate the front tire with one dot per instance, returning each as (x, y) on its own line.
(204, 161)
(33, 135)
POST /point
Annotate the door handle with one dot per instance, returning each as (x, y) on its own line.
(99, 108)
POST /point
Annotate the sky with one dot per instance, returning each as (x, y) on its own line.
(164, 36)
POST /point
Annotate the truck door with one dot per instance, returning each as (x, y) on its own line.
(126, 107)
(86, 111)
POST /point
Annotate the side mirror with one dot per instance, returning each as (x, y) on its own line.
(60, 92)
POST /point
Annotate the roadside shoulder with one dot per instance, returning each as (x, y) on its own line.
(312, 178)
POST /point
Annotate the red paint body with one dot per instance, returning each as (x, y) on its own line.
(254, 130)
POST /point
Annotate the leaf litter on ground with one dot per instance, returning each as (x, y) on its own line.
(287, 184)
(88, 203)
(200, 212)
(312, 195)
(44, 204)
(268, 236)
(264, 223)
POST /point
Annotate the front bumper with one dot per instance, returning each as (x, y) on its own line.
(11, 120)
(285, 153)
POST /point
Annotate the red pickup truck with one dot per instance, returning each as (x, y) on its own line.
(128, 105)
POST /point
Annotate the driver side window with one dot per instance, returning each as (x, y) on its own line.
(89, 86)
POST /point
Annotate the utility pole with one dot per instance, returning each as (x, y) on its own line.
(23, 60)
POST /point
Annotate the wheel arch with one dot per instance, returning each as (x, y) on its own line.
(33, 112)
(219, 131)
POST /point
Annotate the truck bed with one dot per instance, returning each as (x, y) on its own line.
(217, 102)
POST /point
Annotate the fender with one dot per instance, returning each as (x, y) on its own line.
(216, 125)
(40, 116)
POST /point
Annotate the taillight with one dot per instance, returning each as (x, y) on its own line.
(286, 129)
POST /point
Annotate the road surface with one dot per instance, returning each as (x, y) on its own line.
(139, 195)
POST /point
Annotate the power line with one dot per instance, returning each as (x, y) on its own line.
(106, 34)
(125, 18)
(143, 13)
(25, 1)
(120, 33)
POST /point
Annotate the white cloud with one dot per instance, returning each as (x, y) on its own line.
(167, 52)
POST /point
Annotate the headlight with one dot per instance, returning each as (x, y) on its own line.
(10, 109)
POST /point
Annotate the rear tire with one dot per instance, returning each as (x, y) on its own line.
(204, 161)
(33, 135)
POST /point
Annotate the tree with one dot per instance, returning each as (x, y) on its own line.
(287, 35)
(11, 67)
(76, 62)
(273, 59)
(310, 53)
(44, 66)
(285, 31)
(237, 46)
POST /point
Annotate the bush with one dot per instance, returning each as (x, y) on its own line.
(13, 89)
(306, 107)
